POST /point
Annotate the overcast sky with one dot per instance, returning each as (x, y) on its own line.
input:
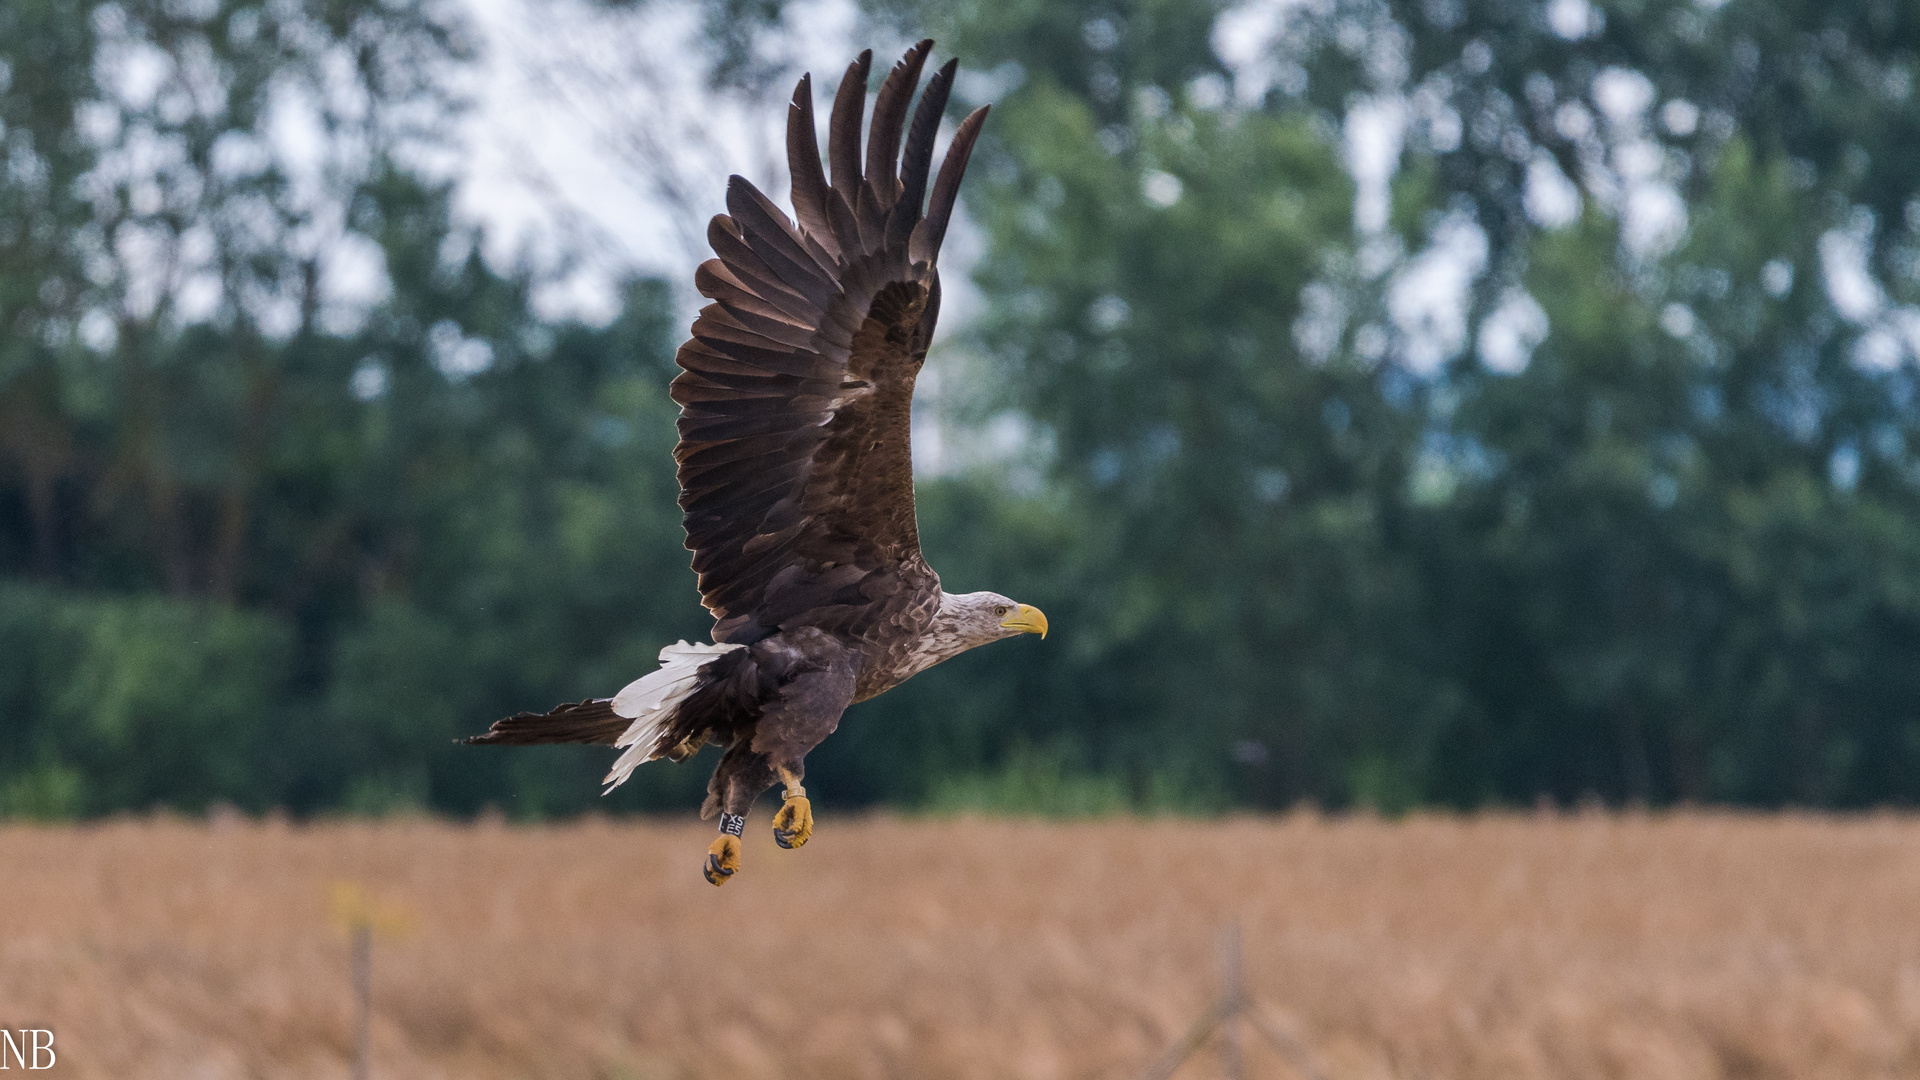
(594, 132)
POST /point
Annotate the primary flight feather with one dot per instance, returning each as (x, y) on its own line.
(796, 477)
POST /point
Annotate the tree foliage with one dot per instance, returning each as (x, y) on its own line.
(1662, 553)
(295, 488)
(260, 549)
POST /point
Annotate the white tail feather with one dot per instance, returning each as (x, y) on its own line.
(650, 700)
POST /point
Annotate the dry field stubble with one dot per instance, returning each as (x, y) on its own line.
(1695, 945)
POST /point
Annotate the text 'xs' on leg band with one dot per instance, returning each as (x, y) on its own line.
(733, 824)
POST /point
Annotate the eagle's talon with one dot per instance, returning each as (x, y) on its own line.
(793, 823)
(723, 860)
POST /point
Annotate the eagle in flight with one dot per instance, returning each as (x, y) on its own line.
(796, 476)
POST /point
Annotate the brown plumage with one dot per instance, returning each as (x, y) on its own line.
(795, 466)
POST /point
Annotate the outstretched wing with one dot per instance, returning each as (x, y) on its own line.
(796, 391)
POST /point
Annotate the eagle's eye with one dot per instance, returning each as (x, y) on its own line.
(1002, 611)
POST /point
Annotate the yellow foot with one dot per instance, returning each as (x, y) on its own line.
(793, 823)
(723, 859)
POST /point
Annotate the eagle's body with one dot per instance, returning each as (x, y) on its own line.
(795, 465)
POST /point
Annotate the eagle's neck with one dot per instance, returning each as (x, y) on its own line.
(944, 639)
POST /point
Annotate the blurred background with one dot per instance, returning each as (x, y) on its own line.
(1458, 402)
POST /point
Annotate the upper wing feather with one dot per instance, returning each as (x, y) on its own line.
(797, 386)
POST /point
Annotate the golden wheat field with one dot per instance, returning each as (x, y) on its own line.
(1588, 945)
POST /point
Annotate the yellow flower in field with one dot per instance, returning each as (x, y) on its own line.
(354, 907)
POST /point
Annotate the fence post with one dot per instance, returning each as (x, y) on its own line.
(1224, 1016)
(1233, 997)
(363, 1001)
(361, 915)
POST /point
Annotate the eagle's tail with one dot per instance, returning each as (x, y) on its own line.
(637, 718)
(651, 702)
(590, 721)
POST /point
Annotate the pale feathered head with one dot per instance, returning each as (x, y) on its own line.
(980, 617)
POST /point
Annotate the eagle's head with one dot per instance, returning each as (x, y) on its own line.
(981, 617)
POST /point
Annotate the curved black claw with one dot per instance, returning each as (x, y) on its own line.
(723, 860)
(793, 822)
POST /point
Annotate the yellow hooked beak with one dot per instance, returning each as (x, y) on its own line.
(1028, 620)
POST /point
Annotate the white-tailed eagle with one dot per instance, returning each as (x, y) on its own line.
(796, 397)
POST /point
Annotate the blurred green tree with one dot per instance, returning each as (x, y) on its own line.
(295, 488)
(263, 549)
(1681, 548)
(1641, 529)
